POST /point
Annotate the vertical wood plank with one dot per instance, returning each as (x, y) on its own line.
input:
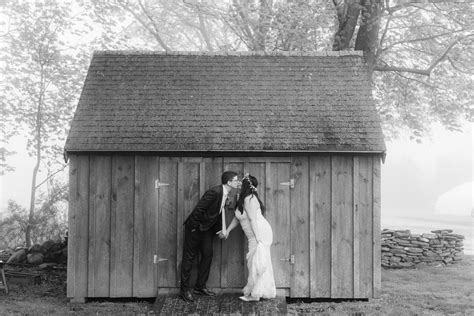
(356, 226)
(202, 178)
(320, 223)
(144, 225)
(365, 230)
(191, 194)
(278, 215)
(376, 227)
(180, 219)
(168, 224)
(342, 228)
(257, 169)
(99, 226)
(212, 172)
(233, 262)
(121, 255)
(299, 212)
(78, 222)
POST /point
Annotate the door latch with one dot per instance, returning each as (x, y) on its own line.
(156, 259)
(291, 259)
(291, 184)
(159, 184)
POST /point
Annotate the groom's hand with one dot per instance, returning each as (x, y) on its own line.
(221, 235)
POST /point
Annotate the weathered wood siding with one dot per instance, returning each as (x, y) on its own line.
(344, 226)
(126, 214)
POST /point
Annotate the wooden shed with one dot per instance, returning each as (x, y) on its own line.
(152, 131)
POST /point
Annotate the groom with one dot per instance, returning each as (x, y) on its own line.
(204, 222)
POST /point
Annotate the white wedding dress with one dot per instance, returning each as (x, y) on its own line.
(260, 282)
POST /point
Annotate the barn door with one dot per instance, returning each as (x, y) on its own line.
(275, 187)
(179, 185)
(283, 188)
(285, 192)
(155, 224)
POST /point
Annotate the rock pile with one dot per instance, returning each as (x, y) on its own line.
(48, 252)
(402, 249)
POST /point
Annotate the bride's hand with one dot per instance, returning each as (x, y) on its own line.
(221, 235)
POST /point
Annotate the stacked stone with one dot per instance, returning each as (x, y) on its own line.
(402, 249)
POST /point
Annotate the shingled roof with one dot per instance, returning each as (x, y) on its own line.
(245, 102)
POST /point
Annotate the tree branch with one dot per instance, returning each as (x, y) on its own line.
(155, 33)
(382, 38)
(414, 79)
(427, 71)
(51, 175)
(419, 39)
(203, 29)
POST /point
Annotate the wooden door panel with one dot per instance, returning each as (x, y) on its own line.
(144, 222)
(167, 223)
(212, 172)
(300, 227)
(189, 194)
(257, 169)
(278, 214)
(234, 249)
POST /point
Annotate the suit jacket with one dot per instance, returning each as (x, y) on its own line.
(205, 214)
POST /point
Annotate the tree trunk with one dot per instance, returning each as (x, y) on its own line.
(368, 34)
(347, 14)
(29, 226)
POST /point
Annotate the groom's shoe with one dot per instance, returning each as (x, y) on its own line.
(204, 291)
(186, 296)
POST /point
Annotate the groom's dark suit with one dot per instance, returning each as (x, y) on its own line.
(200, 228)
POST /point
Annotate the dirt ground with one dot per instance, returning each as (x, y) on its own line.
(430, 290)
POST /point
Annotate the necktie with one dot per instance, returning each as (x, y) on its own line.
(224, 228)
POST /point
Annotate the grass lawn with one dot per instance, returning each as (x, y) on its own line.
(429, 290)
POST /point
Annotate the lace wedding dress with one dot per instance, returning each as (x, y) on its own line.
(260, 282)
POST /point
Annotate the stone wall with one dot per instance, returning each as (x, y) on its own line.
(402, 249)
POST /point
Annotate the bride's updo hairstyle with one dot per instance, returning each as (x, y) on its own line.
(249, 187)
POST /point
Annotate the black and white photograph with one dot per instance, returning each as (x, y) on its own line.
(236, 157)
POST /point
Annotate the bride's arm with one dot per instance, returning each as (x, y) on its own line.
(252, 206)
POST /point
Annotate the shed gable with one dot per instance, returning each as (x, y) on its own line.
(246, 102)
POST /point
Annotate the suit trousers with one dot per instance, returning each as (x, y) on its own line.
(196, 242)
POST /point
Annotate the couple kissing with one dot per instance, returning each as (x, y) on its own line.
(208, 220)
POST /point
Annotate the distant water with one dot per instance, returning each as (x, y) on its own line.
(462, 225)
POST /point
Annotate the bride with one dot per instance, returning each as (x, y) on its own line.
(249, 213)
